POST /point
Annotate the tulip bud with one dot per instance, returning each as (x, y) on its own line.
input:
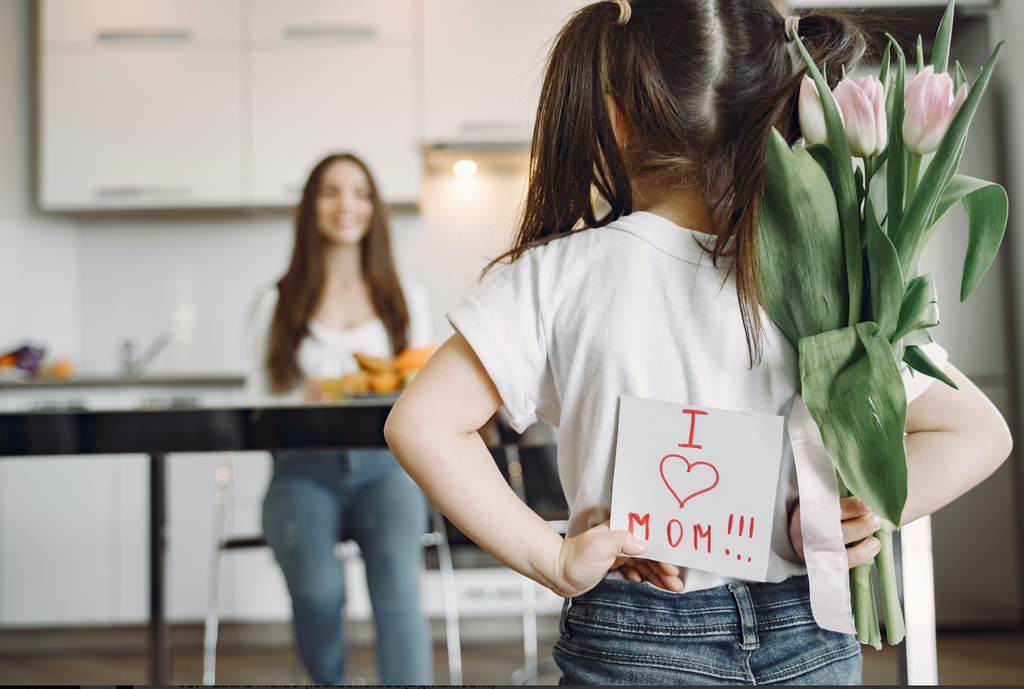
(930, 107)
(862, 102)
(812, 117)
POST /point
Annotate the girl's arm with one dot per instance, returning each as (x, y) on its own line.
(955, 440)
(433, 433)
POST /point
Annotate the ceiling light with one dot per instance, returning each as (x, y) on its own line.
(465, 168)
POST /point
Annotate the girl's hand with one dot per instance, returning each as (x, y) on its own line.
(314, 391)
(661, 574)
(859, 522)
(585, 559)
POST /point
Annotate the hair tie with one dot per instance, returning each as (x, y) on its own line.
(625, 12)
(792, 23)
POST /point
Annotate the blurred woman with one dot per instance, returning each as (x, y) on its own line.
(342, 295)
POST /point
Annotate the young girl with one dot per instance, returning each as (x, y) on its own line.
(660, 110)
(342, 295)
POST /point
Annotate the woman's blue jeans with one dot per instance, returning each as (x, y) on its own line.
(622, 632)
(317, 498)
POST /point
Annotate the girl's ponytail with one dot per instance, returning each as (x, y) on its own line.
(831, 38)
(574, 152)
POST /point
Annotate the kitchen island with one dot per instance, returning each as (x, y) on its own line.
(352, 424)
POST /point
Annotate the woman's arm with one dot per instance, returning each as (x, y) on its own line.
(433, 433)
(955, 440)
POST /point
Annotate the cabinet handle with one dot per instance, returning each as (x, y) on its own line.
(336, 31)
(129, 191)
(118, 35)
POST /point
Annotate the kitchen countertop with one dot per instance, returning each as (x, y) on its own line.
(187, 380)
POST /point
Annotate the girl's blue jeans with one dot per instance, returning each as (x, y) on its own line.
(319, 497)
(622, 632)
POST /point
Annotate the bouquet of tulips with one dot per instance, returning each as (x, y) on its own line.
(843, 221)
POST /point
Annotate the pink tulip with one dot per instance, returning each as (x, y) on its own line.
(931, 106)
(812, 117)
(862, 102)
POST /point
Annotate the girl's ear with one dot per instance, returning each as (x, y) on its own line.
(619, 124)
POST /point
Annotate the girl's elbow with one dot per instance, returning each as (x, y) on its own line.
(1004, 441)
(995, 437)
(396, 427)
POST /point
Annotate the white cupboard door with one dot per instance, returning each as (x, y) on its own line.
(311, 23)
(141, 129)
(309, 103)
(83, 25)
(60, 555)
(484, 65)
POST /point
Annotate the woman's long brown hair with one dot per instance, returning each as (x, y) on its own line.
(301, 288)
(699, 84)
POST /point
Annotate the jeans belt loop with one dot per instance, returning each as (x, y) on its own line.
(748, 620)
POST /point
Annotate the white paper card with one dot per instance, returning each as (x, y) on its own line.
(698, 484)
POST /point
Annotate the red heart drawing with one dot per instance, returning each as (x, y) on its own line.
(689, 466)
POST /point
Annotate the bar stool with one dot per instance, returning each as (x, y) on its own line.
(436, 538)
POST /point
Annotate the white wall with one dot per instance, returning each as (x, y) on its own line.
(140, 276)
(40, 255)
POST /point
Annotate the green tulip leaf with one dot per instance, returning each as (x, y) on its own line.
(918, 338)
(920, 308)
(895, 163)
(854, 391)
(879, 195)
(919, 361)
(940, 51)
(883, 76)
(987, 209)
(920, 54)
(846, 197)
(959, 78)
(884, 275)
(802, 271)
(841, 177)
(921, 208)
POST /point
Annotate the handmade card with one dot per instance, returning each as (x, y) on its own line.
(697, 484)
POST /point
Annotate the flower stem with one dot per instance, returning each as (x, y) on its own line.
(894, 627)
(863, 598)
(914, 178)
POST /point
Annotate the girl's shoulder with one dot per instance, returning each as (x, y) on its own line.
(630, 235)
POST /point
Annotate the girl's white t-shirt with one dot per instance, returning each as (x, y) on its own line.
(327, 352)
(632, 308)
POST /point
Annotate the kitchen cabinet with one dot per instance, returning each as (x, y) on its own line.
(141, 104)
(98, 25)
(141, 128)
(298, 24)
(164, 104)
(58, 549)
(482, 84)
(309, 103)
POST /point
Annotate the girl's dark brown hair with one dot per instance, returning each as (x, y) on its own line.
(699, 85)
(300, 289)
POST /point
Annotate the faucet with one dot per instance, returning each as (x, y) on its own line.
(133, 364)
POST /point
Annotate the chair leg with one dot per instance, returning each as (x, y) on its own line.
(448, 596)
(530, 629)
(213, 595)
(212, 622)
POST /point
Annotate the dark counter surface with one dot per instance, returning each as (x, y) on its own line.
(354, 423)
